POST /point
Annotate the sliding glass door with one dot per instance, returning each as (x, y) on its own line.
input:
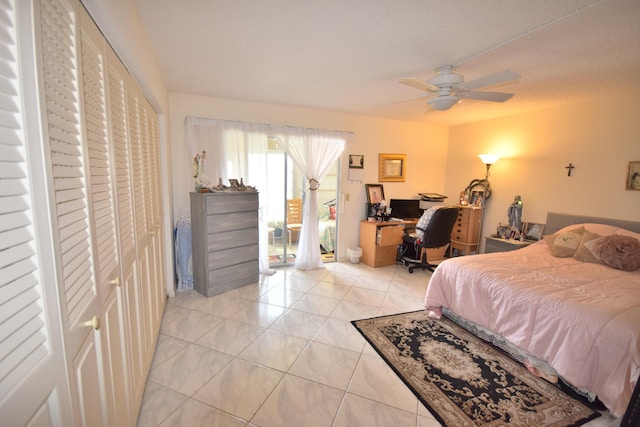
(287, 192)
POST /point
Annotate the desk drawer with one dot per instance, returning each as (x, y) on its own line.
(389, 235)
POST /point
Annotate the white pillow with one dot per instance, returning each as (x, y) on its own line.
(424, 220)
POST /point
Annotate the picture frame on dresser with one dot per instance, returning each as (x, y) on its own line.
(533, 231)
(375, 193)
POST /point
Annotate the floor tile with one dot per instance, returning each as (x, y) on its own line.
(299, 323)
(330, 289)
(280, 296)
(189, 369)
(326, 364)
(351, 310)
(301, 403)
(259, 314)
(157, 404)
(240, 389)
(316, 304)
(373, 379)
(224, 305)
(193, 414)
(166, 347)
(230, 337)
(274, 349)
(192, 326)
(340, 333)
(357, 411)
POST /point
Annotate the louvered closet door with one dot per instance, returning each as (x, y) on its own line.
(103, 216)
(33, 386)
(59, 59)
(118, 131)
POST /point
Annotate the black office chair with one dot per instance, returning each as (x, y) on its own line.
(631, 417)
(436, 235)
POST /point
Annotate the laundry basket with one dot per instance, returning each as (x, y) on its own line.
(354, 255)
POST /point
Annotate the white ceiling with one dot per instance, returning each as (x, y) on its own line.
(347, 55)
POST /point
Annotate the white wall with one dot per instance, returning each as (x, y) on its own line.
(599, 137)
(424, 145)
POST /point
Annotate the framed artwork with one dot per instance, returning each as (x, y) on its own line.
(356, 161)
(375, 193)
(633, 176)
(234, 183)
(393, 168)
(533, 231)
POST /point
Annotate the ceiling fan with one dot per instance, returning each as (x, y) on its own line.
(447, 87)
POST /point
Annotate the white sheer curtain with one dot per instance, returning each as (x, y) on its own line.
(313, 152)
(235, 150)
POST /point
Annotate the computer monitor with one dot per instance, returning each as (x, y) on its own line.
(405, 208)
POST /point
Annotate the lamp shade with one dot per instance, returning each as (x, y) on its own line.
(488, 159)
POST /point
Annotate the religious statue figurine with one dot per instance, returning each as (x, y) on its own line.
(515, 214)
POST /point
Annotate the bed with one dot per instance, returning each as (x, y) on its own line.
(327, 234)
(559, 315)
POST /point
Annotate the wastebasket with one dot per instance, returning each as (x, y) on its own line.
(354, 255)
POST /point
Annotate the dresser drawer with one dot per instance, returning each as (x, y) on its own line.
(389, 235)
(231, 239)
(233, 256)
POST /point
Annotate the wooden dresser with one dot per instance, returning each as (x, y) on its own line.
(224, 229)
(465, 236)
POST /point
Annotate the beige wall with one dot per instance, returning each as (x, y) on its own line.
(424, 145)
(599, 137)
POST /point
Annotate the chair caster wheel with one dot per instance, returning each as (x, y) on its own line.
(410, 270)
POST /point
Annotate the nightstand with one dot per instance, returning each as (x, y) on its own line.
(498, 244)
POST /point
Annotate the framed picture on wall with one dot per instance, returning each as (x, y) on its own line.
(393, 168)
(633, 176)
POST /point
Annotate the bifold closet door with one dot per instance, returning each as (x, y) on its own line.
(33, 385)
(58, 62)
(100, 155)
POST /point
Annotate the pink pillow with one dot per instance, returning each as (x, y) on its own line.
(617, 251)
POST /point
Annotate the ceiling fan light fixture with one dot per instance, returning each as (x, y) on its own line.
(443, 103)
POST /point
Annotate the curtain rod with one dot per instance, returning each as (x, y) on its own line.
(265, 124)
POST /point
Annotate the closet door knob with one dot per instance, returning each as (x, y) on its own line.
(115, 282)
(94, 323)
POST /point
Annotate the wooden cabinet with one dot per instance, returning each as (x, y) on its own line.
(497, 244)
(379, 241)
(224, 240)
(465, 235)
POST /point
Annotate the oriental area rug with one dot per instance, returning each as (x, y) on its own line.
(465, 381)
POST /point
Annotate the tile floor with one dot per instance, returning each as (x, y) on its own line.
(282, 352)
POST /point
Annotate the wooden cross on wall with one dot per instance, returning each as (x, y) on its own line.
(569, 168)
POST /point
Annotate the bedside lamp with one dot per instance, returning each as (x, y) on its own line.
(488, 160)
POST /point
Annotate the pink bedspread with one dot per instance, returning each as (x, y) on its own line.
(582, 319)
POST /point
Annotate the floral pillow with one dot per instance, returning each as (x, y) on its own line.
(564, 244)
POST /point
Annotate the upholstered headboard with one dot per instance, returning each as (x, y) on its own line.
(555, 221)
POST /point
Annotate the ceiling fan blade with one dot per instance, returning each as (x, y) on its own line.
(414, 98)
(485, 96)
(492, 79)
(418, 84)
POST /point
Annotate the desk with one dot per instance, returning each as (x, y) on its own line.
(379, 241)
